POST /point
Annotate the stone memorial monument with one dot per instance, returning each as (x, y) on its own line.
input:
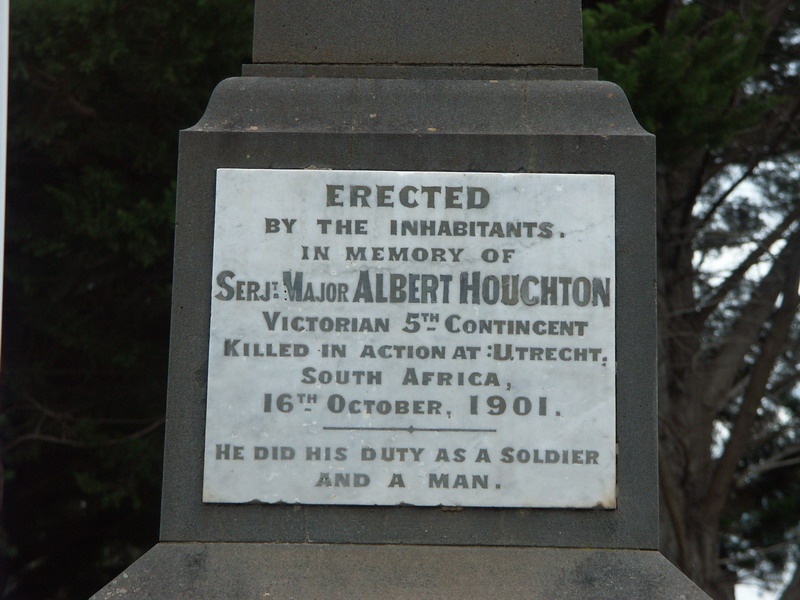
(413, 323)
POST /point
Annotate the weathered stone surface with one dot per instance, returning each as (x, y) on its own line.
(480, 125)
(304, 571)
(503, 32)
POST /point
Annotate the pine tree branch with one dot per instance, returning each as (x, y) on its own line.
(715, 377)
(785, 384)
(765, 140)
(778, 461)
(774, 11)
(58, 89)
(787, 544)
(771, 349)
(709, 305)
(715, 206)
(63, 440)
(772, 465)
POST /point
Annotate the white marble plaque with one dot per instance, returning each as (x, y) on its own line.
(424, 338)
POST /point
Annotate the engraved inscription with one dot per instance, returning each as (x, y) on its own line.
(423, 338)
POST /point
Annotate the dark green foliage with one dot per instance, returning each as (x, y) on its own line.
(98, 92)
(683, 74)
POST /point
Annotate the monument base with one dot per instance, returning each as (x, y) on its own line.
(177, 570)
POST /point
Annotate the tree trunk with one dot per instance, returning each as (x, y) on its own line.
(698, 371)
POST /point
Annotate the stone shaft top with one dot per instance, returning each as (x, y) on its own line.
(418, 32)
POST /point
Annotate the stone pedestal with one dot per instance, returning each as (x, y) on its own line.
(430, 86)
(315, 571)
